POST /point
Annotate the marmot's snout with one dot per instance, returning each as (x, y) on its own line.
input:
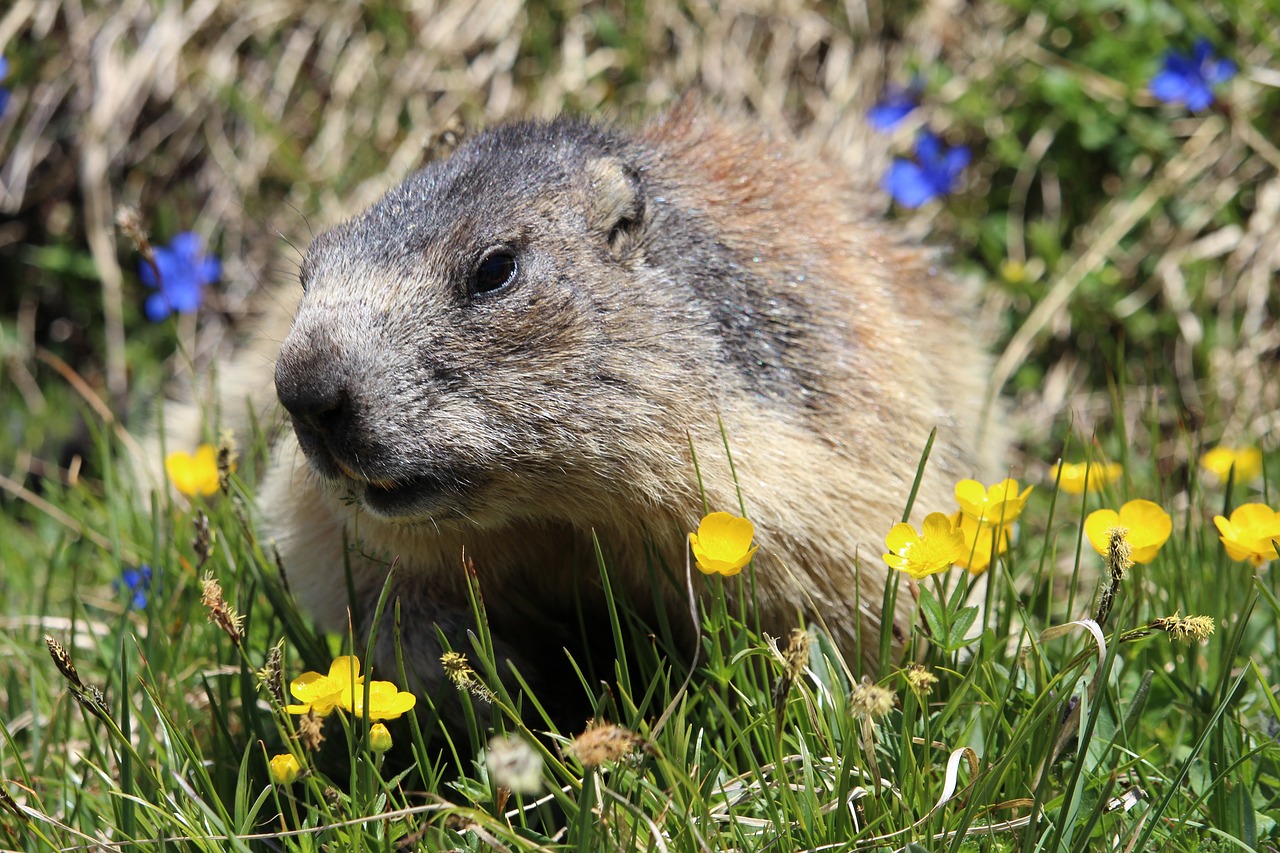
(316, 392)
(316, 400)
(327, 381)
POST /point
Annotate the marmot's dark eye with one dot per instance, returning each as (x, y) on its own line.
(495, 271)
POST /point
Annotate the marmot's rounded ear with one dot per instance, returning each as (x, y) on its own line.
(446, 140)
(616, 204)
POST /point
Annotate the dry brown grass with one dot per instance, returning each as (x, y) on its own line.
(256, 121)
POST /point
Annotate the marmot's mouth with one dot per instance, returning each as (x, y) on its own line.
(413, 494)
(411, 497)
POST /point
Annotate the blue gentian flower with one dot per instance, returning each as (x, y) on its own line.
(1190, 79)
(136, 581)
(896, 104)
(935, 172)
(184, 270)
(4, 93)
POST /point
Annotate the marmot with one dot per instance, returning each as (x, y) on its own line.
(513, 352)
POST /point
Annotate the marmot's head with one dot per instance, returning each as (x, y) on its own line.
(491, 339)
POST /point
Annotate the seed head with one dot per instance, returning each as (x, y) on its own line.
(602, 743)
(89, 697)
(459, 671)
(62, 660)
(1119, 552)
(796, 655)
(203, 544)
(514, 764)
(1187, 629)
(310, 730)
(919, 679)
(869, 700)
(226, 459)
(271, 676)
(220, 613)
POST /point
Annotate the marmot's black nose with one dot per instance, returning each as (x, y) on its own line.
(315, 394)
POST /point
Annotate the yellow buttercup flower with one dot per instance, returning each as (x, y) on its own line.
(386, 701)
(939, 546)
(284, 769)
(344, 688)
(194, 474)
(1075, 481)
(1002, 503)
(323, 693)
(722, 544)
(1248, 462)
(1147, 524)
(379, 738)
(978, 539)
(1248, 534)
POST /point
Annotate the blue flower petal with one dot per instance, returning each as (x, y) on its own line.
(137, 581)
(183, 271)
(908, 184)
(4, 100)
(1220, 71)
(185, 244)
(928, 147)
(1201, 51)
(211, 270)
(157, 307)
(186, 299)
(885, 117)
(146, 274)
(1189, 78)
(896, 105)
(953, 163)
(1199, 97)
(1170, 87)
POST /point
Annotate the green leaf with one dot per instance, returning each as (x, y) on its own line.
(960, 625)
(933, 615)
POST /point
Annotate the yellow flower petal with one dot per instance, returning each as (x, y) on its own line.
(194, 475)
(901, 537)
(386, 701)
(1247, 460)
(1072, 477)
(978, 539)
(1146, 524)
(284, 769)
(935, 550)
(1097, 528)
(379, 738)
(1149, 528)
(323, 693)
(972, 497)
(1249, 533)
(722, 544)
(1002, 503)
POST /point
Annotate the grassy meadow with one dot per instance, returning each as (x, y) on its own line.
(1124, 241)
